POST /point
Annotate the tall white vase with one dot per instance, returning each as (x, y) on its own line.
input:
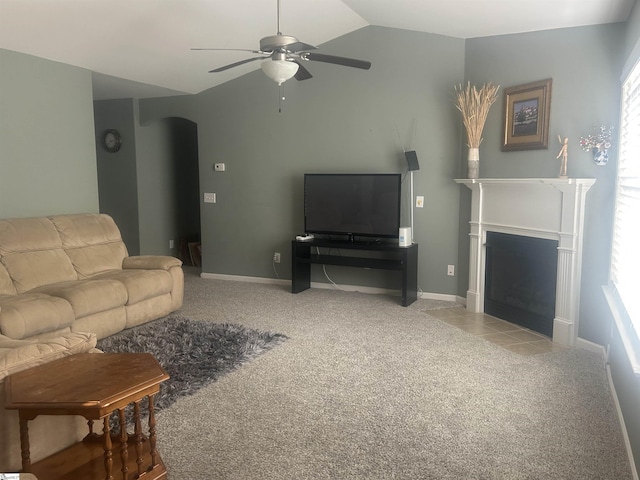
(473, 163)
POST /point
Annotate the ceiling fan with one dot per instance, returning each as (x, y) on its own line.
(282, 56)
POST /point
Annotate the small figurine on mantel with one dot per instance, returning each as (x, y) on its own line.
(564, 154)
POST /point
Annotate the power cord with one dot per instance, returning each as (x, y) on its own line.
(324, 269)
(420, 292)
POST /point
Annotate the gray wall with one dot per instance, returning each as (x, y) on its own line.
(632, 33)
(47, 152)
(150, 186)
(342, 120)
(168, 197)
(117, 172)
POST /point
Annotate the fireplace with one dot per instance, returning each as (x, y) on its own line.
(520, 280)
(541, 208)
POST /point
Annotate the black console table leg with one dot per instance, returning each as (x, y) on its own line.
(410, 276)
(300, 267)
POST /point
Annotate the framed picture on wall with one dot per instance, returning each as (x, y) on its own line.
(526, 116)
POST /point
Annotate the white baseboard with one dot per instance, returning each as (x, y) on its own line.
(583, 344)
(356, 288)
(331, 286)
(438, 296)
(241, 278)
(623, 426)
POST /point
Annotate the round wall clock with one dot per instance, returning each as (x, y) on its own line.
(112, 141)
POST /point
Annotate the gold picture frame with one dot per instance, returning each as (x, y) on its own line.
(526, 116)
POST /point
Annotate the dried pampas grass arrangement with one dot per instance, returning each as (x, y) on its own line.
(474, 105)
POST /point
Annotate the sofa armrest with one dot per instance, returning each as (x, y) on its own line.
(151, 262)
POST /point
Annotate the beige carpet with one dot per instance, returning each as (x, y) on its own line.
(366, 389)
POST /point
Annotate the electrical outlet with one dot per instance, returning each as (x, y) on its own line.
(419, 201)
(170, 243)
(451, 270)
(276, 257)
(219, 167)
(209, 198)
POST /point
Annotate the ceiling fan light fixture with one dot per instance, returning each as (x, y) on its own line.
(279, 70)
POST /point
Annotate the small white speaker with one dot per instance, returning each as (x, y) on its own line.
(404, 237)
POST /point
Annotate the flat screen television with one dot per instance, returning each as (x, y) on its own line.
(352, 205)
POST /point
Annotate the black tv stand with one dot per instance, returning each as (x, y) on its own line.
(403, 259)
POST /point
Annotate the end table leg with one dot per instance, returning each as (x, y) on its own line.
(24, 445)
(108, 455)
(91, 436)
(124, 445)
(152, 432)
(138, 435)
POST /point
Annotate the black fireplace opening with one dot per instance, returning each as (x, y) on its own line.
(520, 280)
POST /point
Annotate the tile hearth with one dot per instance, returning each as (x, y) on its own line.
(502, 333)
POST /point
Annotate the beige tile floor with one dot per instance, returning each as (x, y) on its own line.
(505, 334)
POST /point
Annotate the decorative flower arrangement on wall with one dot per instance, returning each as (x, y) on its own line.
(474, 104)
(598, 144)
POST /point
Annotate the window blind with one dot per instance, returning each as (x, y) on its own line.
(625, 254)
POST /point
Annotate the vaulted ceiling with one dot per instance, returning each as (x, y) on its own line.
(142, 48)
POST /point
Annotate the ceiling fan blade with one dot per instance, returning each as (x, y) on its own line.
(347, 62)
(302, 73)
(231, 65)
(300, 47)
(230, 50)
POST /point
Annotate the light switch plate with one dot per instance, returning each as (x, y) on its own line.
(419, 201)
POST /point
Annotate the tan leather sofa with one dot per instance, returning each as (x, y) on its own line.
(64, 281)
(73, 273)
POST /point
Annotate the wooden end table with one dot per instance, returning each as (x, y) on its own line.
(92, 385)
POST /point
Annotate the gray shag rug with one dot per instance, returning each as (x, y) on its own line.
(193, 353)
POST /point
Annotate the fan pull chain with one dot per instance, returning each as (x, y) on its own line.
(281, 97)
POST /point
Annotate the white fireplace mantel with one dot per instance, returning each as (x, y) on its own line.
(551, 208)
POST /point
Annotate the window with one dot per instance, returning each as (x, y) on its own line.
(625, 254)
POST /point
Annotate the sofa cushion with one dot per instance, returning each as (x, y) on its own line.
(84, 229)
(27, 234)
(96, 259)
(92, 242)
(18, 356)
(22, 316)
(89, 296)
(32, 253)
(6, 285)
(142, 284)
(31, 270)
(103, 324)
